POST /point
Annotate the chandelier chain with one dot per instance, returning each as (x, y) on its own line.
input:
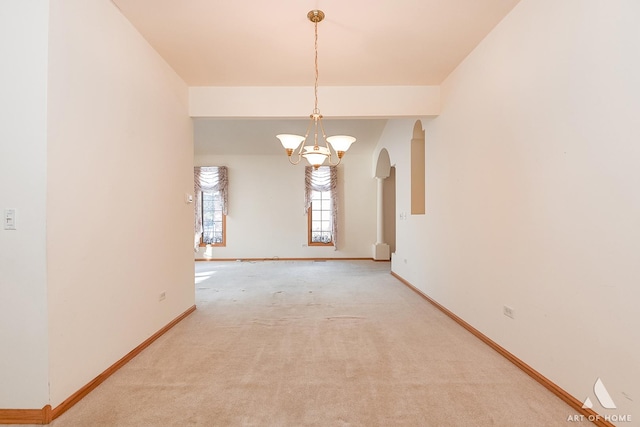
(315, 109)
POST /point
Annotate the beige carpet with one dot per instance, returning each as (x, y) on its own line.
(336, 343)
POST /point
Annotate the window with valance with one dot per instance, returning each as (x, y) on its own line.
(321, 205)
(210, 203)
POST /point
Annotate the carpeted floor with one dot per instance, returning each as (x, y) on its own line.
(302, 343)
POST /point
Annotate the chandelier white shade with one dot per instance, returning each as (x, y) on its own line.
(341, 143)
(315, 154)
(290, 142)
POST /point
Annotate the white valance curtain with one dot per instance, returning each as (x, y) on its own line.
(325, 178)
(208, 178)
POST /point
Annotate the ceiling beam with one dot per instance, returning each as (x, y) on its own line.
(297, 101)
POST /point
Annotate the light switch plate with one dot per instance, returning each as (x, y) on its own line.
(9, 219)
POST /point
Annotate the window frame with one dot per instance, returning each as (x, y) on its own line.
(224, 223)
(310, 223)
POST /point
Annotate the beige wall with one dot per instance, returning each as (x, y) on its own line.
(266, 208)
(120, 159)
(23, 129)
(532, 194)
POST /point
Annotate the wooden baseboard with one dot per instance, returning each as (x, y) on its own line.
(26, 416)
(589, 414)
(46, 414)
(284, 259)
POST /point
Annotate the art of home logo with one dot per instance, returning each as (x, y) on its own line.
(605, 400)
(603, 397)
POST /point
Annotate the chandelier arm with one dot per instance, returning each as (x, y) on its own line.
(297, 161)
(329, 147)
(315, 131)
(301, 146)
(324, 135)
(333, 164)
(306, 135)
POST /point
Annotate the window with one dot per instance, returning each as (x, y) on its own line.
(210, 187)
(213, 219)
(320, 221)
(321, 205)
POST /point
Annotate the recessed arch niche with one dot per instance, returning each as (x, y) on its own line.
(383, 165)
(417, 170)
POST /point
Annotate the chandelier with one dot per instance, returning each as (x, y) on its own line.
(315, 154)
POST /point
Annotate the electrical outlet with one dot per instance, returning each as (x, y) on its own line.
(162, 296)
(509, 312)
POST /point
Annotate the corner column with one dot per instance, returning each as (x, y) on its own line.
(380, 249)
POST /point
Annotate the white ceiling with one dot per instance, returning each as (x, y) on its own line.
(360, 43)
